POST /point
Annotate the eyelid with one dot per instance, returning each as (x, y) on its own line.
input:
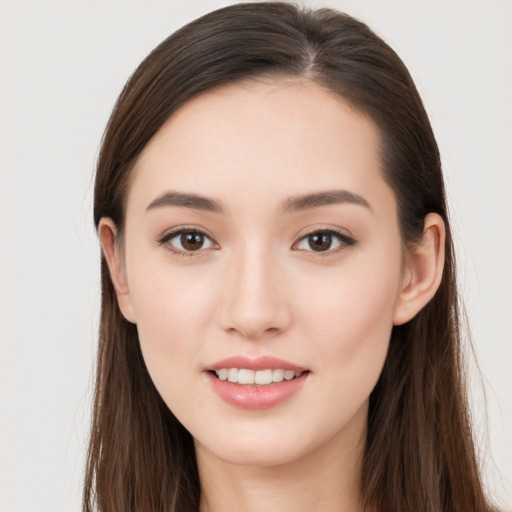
(344, 240)
(168, 235)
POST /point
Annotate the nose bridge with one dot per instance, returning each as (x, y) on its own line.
(255, 302)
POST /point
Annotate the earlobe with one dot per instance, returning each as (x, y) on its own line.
(107, 232)
(424, 270)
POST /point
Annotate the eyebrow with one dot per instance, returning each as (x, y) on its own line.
(325, 198)
(293, 204)
(184, 200)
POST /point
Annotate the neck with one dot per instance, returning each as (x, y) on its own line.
(325, 480)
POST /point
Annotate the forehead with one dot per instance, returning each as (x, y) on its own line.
(261, 137)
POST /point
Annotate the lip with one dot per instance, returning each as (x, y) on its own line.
(260, 363)
(253, 396)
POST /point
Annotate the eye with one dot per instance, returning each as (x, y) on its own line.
(324, 240)
(187, 241)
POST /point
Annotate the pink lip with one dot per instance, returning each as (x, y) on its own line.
(260, 363)
(253, 396)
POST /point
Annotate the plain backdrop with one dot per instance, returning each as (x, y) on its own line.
(62, 66)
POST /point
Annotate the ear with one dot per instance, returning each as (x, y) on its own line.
(423, 270)
(107, 232)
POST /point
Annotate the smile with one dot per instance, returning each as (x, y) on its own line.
(245, 376)
(260, 383)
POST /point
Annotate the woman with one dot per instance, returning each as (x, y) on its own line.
(279, 322)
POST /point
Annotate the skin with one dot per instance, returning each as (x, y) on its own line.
(256, 287)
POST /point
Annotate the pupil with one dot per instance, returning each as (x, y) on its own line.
(320, 241)
(192, 241)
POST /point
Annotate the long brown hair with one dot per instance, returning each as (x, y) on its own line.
(419, 453)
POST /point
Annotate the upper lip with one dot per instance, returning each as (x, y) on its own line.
(259, 363)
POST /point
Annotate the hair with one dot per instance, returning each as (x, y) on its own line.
(419, 452)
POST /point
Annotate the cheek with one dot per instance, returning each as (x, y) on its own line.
(350, 318)
(167, 297)
(171, 309)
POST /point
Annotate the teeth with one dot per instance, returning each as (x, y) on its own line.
(259, 377)
(233, 375)
(263, 377)
(277, 375)
(223, 374)
(245, 376)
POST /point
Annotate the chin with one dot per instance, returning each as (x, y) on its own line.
(255, 454)
(263, 447)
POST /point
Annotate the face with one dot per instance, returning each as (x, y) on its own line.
(261, 243)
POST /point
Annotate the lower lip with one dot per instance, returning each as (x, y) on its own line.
(256, 397)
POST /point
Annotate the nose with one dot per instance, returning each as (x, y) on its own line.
(254, 304)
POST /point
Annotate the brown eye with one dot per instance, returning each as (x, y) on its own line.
(320, 241)
(187, 241)
(192, 241)
(324, 240)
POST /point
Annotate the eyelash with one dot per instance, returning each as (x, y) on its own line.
(179, 232)
(343, 240)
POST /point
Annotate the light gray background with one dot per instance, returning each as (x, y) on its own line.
(62, 66)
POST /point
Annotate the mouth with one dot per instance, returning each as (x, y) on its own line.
(265, 377)
(260, 383)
